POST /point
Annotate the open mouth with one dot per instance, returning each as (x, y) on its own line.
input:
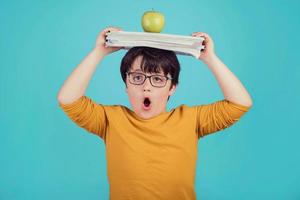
(147, 102)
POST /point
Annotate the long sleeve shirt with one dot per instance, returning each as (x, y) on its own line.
(152, 158)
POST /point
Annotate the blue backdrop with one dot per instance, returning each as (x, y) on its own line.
(44, 155)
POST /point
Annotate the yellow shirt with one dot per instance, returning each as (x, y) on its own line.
(149, 159)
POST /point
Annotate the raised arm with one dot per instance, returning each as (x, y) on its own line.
(232, 88)
(75, 85)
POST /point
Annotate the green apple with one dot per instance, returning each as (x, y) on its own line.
(153, 21)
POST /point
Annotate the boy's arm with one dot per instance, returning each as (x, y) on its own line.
(82, 110)
(217, 116)
(232, 88)
(221, 114)
(87, 114)
(75, 85)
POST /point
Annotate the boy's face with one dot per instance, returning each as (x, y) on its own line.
(137, 94)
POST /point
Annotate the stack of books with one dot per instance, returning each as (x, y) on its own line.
(183, 45)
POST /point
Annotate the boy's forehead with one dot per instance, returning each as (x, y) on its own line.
(136, 65)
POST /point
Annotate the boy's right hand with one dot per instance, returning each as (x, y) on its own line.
(100, 42)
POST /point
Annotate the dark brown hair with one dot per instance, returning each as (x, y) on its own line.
(153, 61)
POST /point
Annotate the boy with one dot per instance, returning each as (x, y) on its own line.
(151, 153)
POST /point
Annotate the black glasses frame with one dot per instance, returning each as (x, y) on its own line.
(129, 73)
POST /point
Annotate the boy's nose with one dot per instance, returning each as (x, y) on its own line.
(147, 85)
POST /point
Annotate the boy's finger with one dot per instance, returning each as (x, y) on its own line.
(115, 28)
(199, 34)
(111, 28)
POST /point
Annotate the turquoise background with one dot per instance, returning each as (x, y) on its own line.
(44, 155)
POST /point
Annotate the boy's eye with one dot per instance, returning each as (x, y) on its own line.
(137, 77)
(157, 79)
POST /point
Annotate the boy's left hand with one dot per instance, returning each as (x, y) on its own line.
(208, 52)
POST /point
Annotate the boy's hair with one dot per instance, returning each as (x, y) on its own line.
(153, 61)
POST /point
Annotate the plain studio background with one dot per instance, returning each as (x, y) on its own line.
(44, 155)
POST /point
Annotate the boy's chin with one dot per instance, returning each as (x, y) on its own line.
(146, 115)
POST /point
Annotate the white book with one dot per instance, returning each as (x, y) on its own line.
(183, 45)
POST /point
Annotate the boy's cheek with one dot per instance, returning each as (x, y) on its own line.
(133, 96)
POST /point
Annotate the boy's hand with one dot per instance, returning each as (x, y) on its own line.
(208, 52)
(100, 42)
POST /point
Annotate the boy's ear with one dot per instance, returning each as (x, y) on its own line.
(172, 90)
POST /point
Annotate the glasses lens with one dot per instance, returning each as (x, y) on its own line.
(158, 81)
(136, 78)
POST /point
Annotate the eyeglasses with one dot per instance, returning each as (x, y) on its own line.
(155, 80)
